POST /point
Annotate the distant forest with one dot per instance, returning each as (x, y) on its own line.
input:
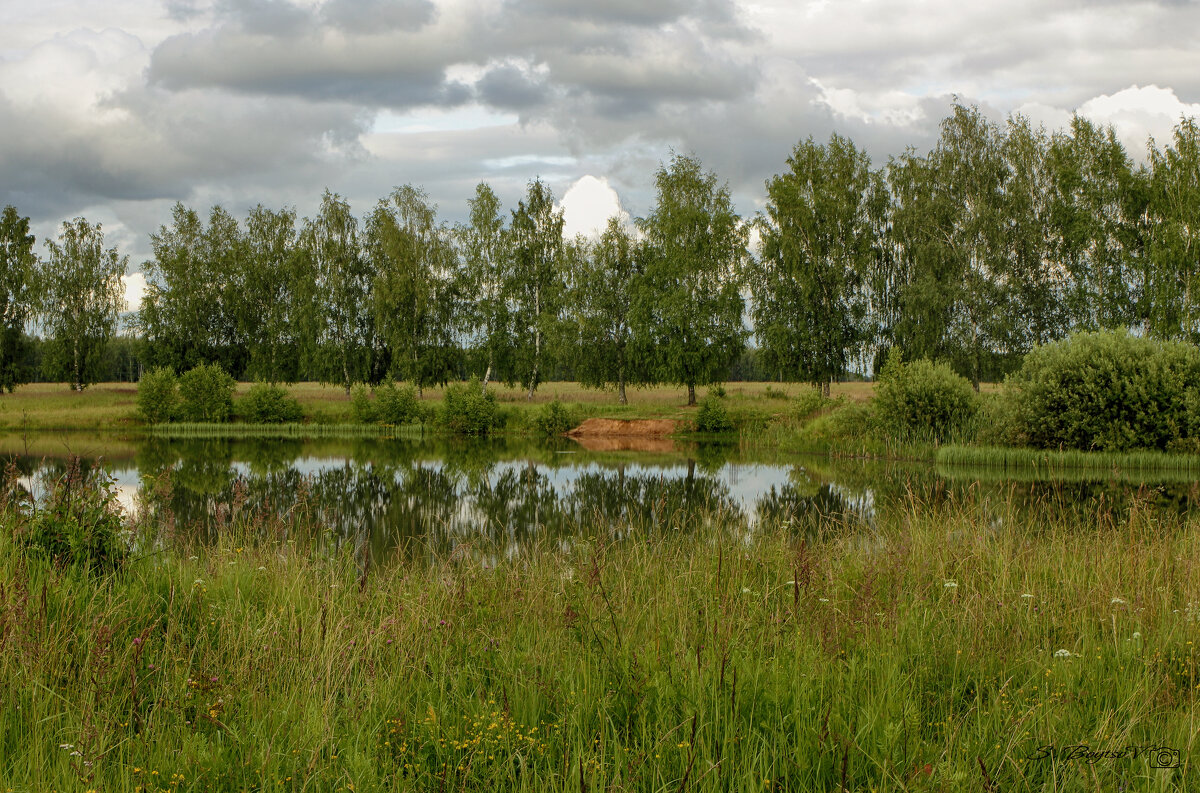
(1000, 238)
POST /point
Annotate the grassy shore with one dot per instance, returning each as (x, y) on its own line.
(945, 651)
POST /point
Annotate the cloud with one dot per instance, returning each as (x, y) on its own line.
(378, 16)
(1138, 113)
(135, 290)
(588, 204)
(138, 103)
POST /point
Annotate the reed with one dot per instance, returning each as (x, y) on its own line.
(1049, 463)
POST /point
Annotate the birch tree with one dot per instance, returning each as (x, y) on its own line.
(83, 297)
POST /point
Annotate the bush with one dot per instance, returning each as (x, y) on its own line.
(158, 396)
(922, 400)
(269, 404)
(398, 406)
(466, 410)
(718, 390)
(553, 419)
(713, 416)
(1108, 391)
(361, 406)
(807, 402)
(206, 394)
(78, 524)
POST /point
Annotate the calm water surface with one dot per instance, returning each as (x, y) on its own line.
(391, 495)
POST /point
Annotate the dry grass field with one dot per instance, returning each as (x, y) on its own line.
(113, 406)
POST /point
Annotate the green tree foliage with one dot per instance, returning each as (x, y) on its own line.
(818, 251)
(81, 301)
(483, 243)
(1108, 391)
(1092, 221)
(340, 329)
(535, 283)
(603, 283)
(18, 294)
(195, 291)
(415, 286)
(690, 304)
(269, 285)
(1173, 292)
(1032, 284)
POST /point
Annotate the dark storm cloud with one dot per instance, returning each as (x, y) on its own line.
(510, 87)
(378, 72)
(351, 51)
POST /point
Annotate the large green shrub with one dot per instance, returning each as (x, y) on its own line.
(269, 404)
(158, 396)
(553, 419)
(1108, 391)
(79, 523)
(922, 400)
(713, 416)
(206, 394)
(398, 405)
(466, 410)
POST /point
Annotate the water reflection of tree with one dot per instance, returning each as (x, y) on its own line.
(649, 503)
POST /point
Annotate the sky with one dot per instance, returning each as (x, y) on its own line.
(116, 110)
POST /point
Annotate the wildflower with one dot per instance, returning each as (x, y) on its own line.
(1026, 596)
(745, 590)
(66, 746)
(950, 584)
(1118, 601)
(823, 600)
(1136, 635)
(1062, 653)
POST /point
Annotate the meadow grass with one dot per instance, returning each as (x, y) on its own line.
(183, 430)
(940, 651)
(113, 406)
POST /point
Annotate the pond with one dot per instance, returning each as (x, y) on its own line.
(389, 496)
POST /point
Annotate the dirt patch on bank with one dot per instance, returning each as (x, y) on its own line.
(624, 443)
(624, 428)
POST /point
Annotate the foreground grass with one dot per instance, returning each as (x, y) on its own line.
(941, 653)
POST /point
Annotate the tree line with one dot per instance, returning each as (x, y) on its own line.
(1000, 238)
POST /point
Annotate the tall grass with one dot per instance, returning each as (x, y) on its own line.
(938, 652)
